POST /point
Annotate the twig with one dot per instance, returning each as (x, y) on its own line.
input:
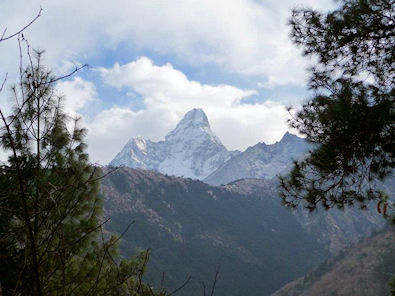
(180, 287)
(204, 289)
(2, 84)
(215, 281)
(2, 38)
(162, 281)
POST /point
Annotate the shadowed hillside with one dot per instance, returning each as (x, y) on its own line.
(192, 228)
(363, 270)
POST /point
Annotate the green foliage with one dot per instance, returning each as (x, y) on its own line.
(350, 120)
(51, 236)
(357, 37)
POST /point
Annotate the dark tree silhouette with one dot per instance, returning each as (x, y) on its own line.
(350, 119)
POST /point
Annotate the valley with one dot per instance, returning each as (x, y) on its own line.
(198, 208)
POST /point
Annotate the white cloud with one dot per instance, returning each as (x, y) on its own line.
(168, 94)
(244, 36)
(163, 84)
(77, 94)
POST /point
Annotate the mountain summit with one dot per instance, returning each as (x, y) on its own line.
(194, 123)
(190, 150)
(196, 118)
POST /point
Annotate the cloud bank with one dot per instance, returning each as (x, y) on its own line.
(248, 38)
(168, 94)
(243, 36)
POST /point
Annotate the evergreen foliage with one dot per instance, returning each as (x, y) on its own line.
(51, 235)
(350, 120)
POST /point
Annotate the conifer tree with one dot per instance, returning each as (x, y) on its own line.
(350, 119)
(51, 235)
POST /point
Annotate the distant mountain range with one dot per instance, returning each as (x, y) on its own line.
(260, 161)
(192, 150)
(198, 206)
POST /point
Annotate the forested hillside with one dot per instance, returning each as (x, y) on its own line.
(192, 228)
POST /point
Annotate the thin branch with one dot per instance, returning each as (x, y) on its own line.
(180, 287)
(2, 38)
(162, 281)
(106, 248)
(76, 69)
(215, 281)
(3, 83)
(204, 288)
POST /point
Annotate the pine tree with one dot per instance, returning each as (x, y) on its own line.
(350, 119)
(51, 235)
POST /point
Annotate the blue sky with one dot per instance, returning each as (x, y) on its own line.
(151, 61)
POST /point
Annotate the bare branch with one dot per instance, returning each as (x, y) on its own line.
(215, 281)
(2, 38)
(180, 287)
(3, 83)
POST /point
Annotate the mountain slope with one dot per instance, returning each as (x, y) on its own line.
(260, 161)
(336, 228)
(362, 270)
(190, 150)
(192, 228)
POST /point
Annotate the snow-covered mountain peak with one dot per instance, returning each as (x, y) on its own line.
(195, 121)
(193, 150)
(190, 150)
(195, 117)
(289, 138)
(140, 143)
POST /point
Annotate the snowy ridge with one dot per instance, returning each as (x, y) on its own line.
(261, 161)
(190, 150)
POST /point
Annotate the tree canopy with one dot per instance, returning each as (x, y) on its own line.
(51, 225)
(350, 119)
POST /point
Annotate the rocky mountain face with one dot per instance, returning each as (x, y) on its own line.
(261, 161)
(193, 228)
(364, 269)
(191, 150)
